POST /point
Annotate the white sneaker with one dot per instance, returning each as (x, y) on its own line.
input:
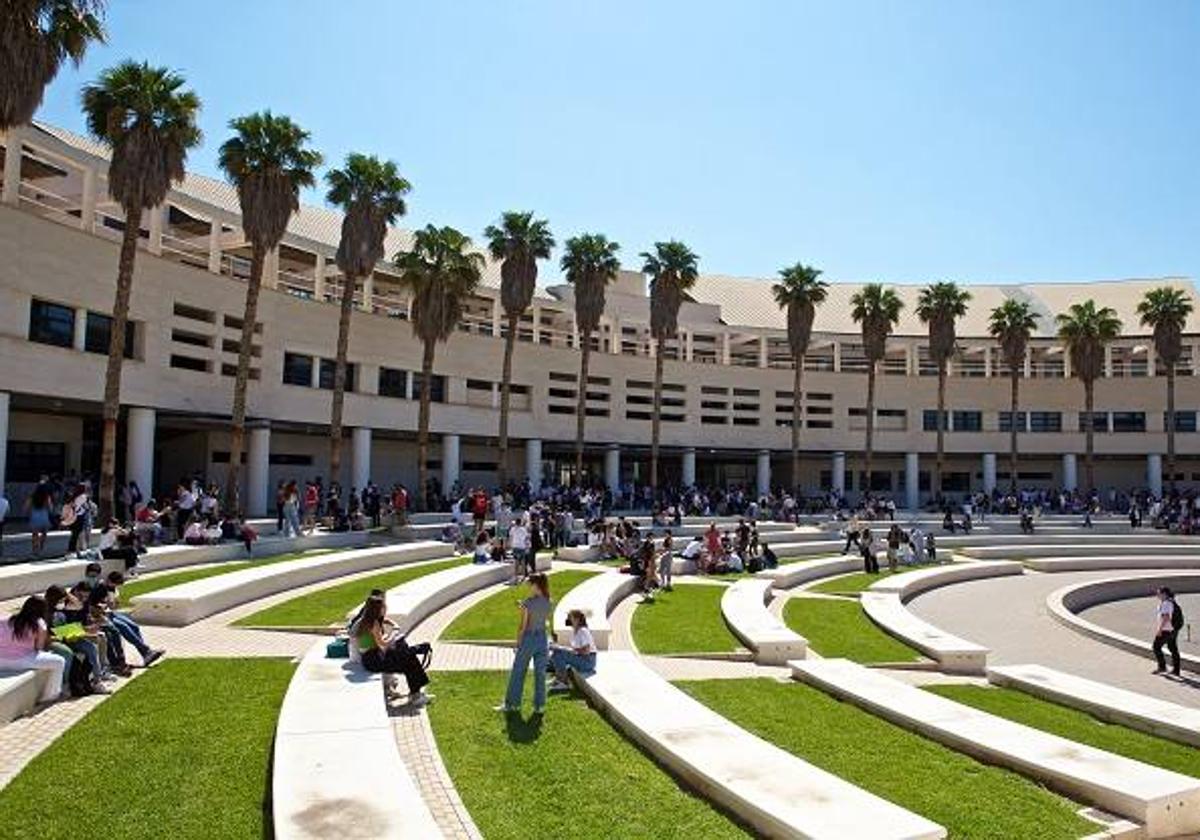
(101, 688)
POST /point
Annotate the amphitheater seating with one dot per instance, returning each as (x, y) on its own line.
(337, 771)
(1074, 547)
(1115, 561)
(178, 606)
(793, 574)
(744, 607)
(21, 545)
(597, 597)
(1166, 803)
(19, 692)
(1128, 708)
(411, 603)
(774, 792)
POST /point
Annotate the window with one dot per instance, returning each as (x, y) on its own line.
(482, 385)
(99, 330)
(560, 409)
(52, 323)
(328, 367)
(1006, 423)
(1129, 421)
(1185, 421)
(297, 369)
(194, 313)
(968, 421)
(479, 466)
(188, 363)
(393, 382)
(230, 345)
(929, 420)
(190, 338)
(30, 460)
(562, 393)
(230, 369)
(1045, 421)
(1099, 421)
(285, 459)
(437, 387)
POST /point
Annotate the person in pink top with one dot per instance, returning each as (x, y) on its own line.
(23, 640)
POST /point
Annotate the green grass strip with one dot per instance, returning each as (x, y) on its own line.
(855, 583)
(494, 619)
(330, 604)
(973, 801)
(1076, 726)
(839, 628)
(142, 585)
(571, 775)
(185, 747)
(685, 620)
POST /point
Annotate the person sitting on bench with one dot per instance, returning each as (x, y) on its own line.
(389, 653)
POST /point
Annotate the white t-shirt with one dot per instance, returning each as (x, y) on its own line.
(519, 537)
(693, 549)
(1166, 611)
(581, 639)
(3, 508)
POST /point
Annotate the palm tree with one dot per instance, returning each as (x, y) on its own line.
(672, 269)
(876, 310)
(519, 241)
(149, 120)
(799, 291)
(1166, 310)
(590, 264)
(440, 272)
(36, 37)
(939, 305)
(267, 161)
(1084, 330)
(1011, 324)
(370, 193)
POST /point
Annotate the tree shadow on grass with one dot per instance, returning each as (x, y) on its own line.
(523, 730)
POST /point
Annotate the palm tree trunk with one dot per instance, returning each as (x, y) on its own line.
(870, 448)
(116, 360)
(1088, 466)
(939, 462)
(510, 342)
(1012, 434)
(237, 433)
(339, 380)
(797, 382)
(1171, 425)
(656, 418)
(585, 358)
(423, 427)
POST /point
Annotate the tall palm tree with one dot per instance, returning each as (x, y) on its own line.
(940, 305)
(370, 192)
(590, 263)
(36, 37)
(1166, 310)
(672, 269)
(799, 291)
(1084, 330)
(519, 241)
(149, 120)
(268, 161)
(440, 272)
(877, 311)
(1011, 324)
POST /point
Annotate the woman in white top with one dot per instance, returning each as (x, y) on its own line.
(23, 641)
(580, 656)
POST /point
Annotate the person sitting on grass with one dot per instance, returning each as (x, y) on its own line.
(483, 549)
(696, 552)
(385, 652)
(531, 644)
(579, 656)
(24, 638)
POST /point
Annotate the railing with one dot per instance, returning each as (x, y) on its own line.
(47, 204)
(184, 251)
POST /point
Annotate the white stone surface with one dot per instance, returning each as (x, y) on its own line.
(596, 596)
(1067, 547)
(789, 575)
(1086, 563)
(19, 692)
(744, 607)
(1166, 803)
(411, 603)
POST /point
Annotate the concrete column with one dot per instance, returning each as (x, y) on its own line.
(912, 481)
(726, 349)
(838, 469)
(987, 362)
(4, 401)
(533, 463)
(763, 474)
(1108, 361)
(1028, 372)
(270, 278)
(368, 293)
(837, 356)
(989, 472)
(258, 472)
(139, 449)
(690, 346)
(451, 459)
(1070, 476)
(214, 246)
(87, 209)
(360, 469)
(1154, 473)
(764, 357)
(12, 166)
(612, 467)
(319, 279)
(79, 338)
(156, 228)
(496, 316)
(537, 324)
(689, 467)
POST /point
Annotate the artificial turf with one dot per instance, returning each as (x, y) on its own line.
(1076, 726)
(856, 582)
(143, 585)
(569, 774)
(182, 751)
(970, 799)
(331, 604)
(685, 620)
(494, 619)
(837, 627)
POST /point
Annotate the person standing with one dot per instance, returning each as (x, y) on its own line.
(1169, 621)
(532, 644)
(519, 542)
(866, 546)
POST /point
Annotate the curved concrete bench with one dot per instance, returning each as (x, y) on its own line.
(21, 545)
(744, 607)
(19, 693)
(773, 791)
(411, 603)
(789, 575)
(1166, 803)
(337, 771)
(1103, 547)
(1114, 561)
(596, 597)
(178, 606)
(1107, 702)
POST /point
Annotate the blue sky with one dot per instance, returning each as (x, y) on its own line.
(893, 141)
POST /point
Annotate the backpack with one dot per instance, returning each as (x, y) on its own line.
(79, 680)
(1176, 616)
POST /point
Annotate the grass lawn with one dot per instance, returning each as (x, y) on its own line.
(184, 748)
(141, 586)
(855, 583)
(571, 775)
(494, 619)
(331, 604)
(970, 799)
(839, 628)
(685, 620)
(1076, 725)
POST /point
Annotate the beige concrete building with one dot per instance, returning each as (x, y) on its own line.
(727, 399)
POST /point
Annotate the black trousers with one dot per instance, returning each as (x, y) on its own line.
(870, 562)
(1171, 641)
(397, 658)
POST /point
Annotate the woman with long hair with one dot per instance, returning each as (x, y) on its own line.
(24, 639)
(532, 644)
(382, 655)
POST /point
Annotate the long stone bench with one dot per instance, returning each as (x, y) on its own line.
(1114, 561)
(596, 597)
(1107, 702)
(744, 607)
(19, 692)
(21, 544)
(337, 771)
(789, 575)
(1166, 803)
(1111, 546)
(178, 606)
(776, 793)
(411, 603)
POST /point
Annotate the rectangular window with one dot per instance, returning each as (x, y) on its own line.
(29, 460)
(1006, 423)
(285, 459)
(393, 382)
(1129, 421)
(560, 409)
(968, 421)
(479, 385)
(52, 323)
(929, 420)
(1045, 421)
(562, 393)
(637, 415)
(437, 387)
(232, 345)
(99, 331)
(1185, 421)
(191, 339)
(1099, 421)
(328, 368)
(710, 420)
(188, 363)
(297, 369)
(194, 313)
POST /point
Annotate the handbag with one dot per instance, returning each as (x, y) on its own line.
(338, 648)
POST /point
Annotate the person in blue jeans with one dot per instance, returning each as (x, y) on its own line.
(579, 656)
(531, 644)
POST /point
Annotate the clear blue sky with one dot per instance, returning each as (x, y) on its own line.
(904, 142)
